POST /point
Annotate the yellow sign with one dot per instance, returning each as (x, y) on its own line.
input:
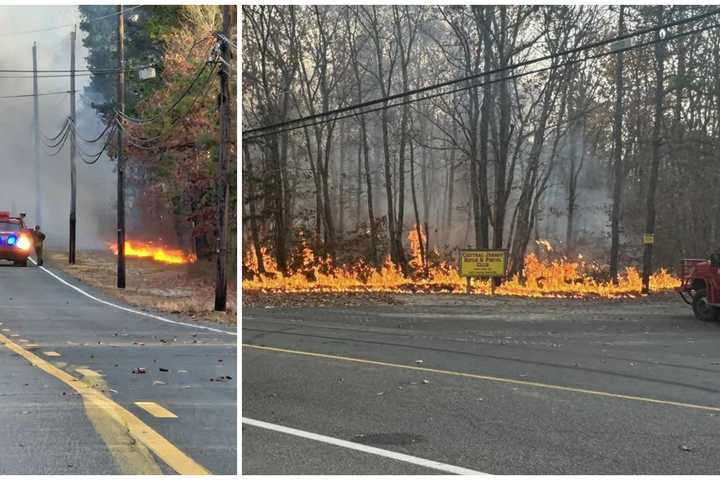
(483, 263)
(648, 238)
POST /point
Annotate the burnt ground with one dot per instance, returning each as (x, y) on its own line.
(501, 385)
(178, 289)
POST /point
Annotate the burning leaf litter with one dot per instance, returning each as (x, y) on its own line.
(163, 254)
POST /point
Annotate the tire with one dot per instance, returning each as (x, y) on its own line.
(20, 263)
(703, 311)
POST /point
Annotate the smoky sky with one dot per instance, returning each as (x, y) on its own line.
(96, 188)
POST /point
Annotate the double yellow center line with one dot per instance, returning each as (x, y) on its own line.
(113, 412)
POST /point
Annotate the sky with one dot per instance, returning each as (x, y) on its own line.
(96, 184)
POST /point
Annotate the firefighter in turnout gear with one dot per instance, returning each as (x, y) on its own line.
(38, 238)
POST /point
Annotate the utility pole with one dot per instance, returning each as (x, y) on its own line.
(649, 236)
(36, 135)
(73, 172)
(120, 159)
(223, 193)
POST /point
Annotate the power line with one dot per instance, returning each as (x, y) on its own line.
(67, 25)
(544, 58)
(57, 143)
(225, 39)
(196, 97)
(85, 70)
(488, 82)
(62, 130)
(91, 159)
(39, 94)
(94, 140)
(158, 116)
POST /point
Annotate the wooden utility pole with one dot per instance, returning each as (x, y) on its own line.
(618, 170)
(36, 136)
(120, 158)
(73, 172)
(223, 193)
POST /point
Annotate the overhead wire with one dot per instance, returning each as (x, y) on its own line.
(226, 40)
(92, 158)
(94, 140)
(68, 25)
(62, 130)
(195, 98)
(158, 116)
(87, 71)
(475, 85)
(33, 95)
(493, 72)
(60, 144)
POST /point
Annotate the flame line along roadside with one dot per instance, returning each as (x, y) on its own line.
(173, 256)
(560, 278)
(130, 310)
(140, 431)
(489, 378)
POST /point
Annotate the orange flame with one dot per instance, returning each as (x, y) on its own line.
(134, 248)
(557, 278)
(417, 243)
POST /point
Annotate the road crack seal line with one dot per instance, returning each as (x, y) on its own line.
(115, 417)
(489, 378)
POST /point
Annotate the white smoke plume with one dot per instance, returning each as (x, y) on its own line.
(96, 184)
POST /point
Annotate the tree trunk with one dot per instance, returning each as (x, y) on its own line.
(341, 183)
(254, 230)
(418, 228)
(654, 168)
(451, 191)
(618, 169)
(368, 181)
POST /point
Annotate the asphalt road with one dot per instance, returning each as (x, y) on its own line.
(68, 395)
(500, 386)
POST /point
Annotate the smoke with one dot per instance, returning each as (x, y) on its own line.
(96, 183)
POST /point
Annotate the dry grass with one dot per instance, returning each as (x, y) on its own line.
(182, 289)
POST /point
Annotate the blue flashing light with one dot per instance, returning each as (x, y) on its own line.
(12, 239)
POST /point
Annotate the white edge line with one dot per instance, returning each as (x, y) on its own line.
(363, 448)
(137, 312)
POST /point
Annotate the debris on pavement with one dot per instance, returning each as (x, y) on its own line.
(685, 448)
(221, 378)
(138, 370)
(164, 369)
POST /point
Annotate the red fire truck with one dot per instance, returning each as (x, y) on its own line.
(15, 239)
(701, 286)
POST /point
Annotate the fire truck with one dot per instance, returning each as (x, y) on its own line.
(701, 286)
(15, 239)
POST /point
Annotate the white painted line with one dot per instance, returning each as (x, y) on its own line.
(125, 309)
(444, 467)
